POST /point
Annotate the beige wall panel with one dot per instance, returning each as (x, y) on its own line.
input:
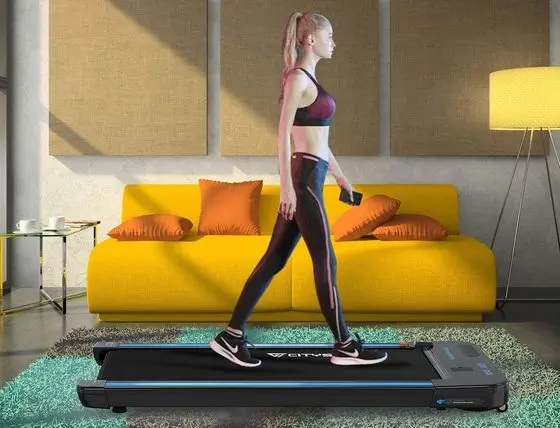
(128, 77)
(442, 52)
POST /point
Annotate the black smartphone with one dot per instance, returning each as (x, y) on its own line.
(345, 197)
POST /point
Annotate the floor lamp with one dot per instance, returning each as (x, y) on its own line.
(528, 100)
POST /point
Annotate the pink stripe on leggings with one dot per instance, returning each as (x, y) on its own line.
(326, 245)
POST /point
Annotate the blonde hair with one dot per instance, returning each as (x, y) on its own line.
(299, 26)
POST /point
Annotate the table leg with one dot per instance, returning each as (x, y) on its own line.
(40, 267)
(42, 292)
(1, 277)
(64, 274)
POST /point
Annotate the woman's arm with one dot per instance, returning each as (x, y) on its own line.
(334, 167)
(293, 92)
(341, 180)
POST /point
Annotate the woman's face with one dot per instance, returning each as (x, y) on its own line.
(324, 42)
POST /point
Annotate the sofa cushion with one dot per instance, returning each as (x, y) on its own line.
(410, 227)
(199, 274)
(362, 219)
(456, 275)
(152, 227)
(229, 208)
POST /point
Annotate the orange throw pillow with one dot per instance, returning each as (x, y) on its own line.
(360, 220)
(229, 208)
(411, 227)
(152, 227)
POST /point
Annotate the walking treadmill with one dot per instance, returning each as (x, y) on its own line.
(416, 374)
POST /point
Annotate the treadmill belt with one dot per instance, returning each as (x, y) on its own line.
(299, 364)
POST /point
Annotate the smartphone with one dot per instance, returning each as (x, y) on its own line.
(345, 197)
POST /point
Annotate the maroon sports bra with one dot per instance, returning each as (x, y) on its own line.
(318, 113)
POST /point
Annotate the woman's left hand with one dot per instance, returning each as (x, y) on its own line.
(343, 183)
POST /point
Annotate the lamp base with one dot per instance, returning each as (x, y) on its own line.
(523, 187)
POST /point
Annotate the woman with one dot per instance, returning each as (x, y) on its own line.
(307, 111)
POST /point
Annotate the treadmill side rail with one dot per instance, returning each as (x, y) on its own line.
(146, 395)
(100, 349)
(92, 394)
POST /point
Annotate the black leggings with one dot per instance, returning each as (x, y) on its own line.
(310, 221)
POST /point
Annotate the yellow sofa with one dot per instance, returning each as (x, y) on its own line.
(199, 278)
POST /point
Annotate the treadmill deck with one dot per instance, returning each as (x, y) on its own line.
(306, 364)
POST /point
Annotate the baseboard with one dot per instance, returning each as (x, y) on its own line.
(529, 294)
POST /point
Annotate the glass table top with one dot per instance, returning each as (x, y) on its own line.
(69, 229)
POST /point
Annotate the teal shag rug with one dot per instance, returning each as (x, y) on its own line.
(44, 395)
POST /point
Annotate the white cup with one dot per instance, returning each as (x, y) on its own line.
(27, 225)
(56, 223)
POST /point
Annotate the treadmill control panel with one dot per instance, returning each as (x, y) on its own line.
(469, 350)
(461, 369)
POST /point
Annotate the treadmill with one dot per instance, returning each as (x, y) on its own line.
(440, 375)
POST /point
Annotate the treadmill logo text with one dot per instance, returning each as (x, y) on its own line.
(298, 355)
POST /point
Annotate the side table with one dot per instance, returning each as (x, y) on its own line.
(72, 228)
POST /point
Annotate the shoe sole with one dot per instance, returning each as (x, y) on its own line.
(217, 348)
(350, 361)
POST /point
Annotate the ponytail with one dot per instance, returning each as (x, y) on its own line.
(289, 49)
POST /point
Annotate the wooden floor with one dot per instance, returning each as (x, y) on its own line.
(26, 335)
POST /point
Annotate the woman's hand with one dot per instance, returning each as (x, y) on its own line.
(343, 183)
(288, 202)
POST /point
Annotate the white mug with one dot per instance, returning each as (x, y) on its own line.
(27, 225)
(56, 223)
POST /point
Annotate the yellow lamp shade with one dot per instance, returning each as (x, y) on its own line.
(525, 98)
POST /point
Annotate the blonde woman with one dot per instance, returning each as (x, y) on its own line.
(306, 113)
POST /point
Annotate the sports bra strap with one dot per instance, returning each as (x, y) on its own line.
(310, 76)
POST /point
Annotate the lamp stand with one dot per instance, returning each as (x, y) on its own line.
(531, 130)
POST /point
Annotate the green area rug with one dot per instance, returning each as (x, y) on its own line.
(44, 395)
